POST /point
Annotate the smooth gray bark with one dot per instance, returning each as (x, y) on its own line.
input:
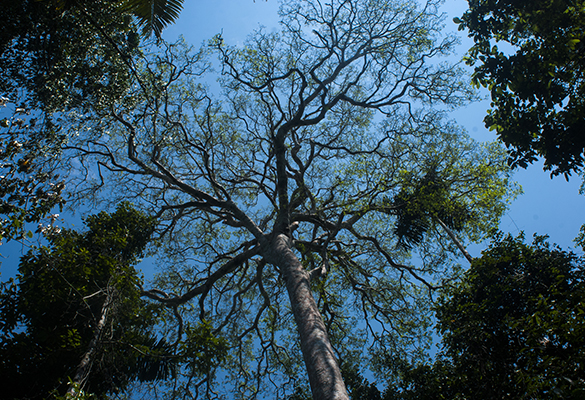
(322, 366)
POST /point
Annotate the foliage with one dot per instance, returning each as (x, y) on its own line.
(291, 171)
(203, 350)
(536, 77)
(359, 387)
(58, 55)
(580, 239)
(29, 189)
(513, 328)
(153, 15)
(78, 394)
(419, 206)
(55, 59)
(423, 381)
(51, 313)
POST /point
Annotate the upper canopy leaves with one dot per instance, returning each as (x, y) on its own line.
(538, 84)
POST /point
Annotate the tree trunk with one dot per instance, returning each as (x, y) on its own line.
(84, 366)
(456, 240)
(322, 366)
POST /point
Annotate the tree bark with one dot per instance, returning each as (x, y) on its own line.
(84, 366)
(322, 366)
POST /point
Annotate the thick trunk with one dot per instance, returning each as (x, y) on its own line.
(84, 366)
(322, 367)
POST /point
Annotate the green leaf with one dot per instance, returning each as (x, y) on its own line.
(153, 15)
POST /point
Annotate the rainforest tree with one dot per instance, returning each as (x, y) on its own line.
(283, 199)
(514, 326)
(75, 312)
(52, 55)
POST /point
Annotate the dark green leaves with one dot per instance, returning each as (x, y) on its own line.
(538, 86)
(50, 316)
(518, 321)
(153, 15)
(420, 206)
(202, 350)
(513, 328)
(56, 60)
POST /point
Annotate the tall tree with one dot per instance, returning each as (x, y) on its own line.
(75, 312)
(277, 201)
(536, 79)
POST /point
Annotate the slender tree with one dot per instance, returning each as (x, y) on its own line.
(75, 313)
(278, 201)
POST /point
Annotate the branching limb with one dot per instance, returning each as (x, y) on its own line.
(172, 299)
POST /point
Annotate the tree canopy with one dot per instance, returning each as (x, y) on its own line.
(536, 77)
(52, 54)
(277, 197)
(512, 328)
